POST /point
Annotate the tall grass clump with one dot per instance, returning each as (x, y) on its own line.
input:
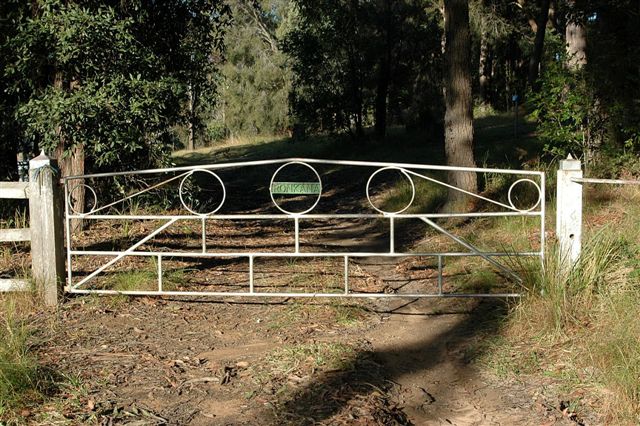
(22, 379)
(587, 316)
(559, 297)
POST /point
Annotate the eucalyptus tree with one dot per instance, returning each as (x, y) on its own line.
(458, 119)
(255, 78)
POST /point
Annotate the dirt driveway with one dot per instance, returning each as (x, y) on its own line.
(147, 361)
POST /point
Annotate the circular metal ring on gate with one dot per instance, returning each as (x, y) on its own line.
(513, 186)
(273, 177)
(191, 173)
(93, 193)
(413, 190)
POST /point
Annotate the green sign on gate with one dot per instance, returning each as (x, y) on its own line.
(297, 188)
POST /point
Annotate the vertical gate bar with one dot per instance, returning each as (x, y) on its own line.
(159, 273)
(346, 275)
(297, 233)
(204, 235)
(392, 233)
(68, 230)
(440, 275)
(251, 274)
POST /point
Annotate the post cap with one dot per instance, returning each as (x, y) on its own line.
(570, 163)
(40, 161)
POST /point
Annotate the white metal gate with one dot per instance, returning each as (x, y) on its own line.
(149, 183)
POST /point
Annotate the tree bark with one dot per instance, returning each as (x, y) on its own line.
(190, 125)
(381, 100)
(576, 45)
(576, 39)
(484, 70)
(384, 71)
(538, 45)
(71, 163)
(458, 119)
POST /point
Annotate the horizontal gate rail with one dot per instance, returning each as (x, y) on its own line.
(308, 189)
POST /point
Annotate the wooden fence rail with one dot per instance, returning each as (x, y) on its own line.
(14, 190)
(45, 230)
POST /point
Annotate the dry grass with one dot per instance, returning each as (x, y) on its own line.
(23, 380)
(582, 326)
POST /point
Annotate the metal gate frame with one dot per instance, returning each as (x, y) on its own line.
(408, 170)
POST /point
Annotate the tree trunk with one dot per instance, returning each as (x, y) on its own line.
(576, 45)
(382, 90)
(72, 163)
(576, 38)
(381, 101)
(484, 70)
(458, 119)
(538, 45)
(191, 139)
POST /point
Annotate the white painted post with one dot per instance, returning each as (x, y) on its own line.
(46, 224)
(569, 212)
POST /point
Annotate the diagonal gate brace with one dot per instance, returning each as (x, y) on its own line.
(473, 248)
(126, 252)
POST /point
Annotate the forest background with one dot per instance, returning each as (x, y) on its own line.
(113, 85)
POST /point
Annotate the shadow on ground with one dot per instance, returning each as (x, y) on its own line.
(375, 372)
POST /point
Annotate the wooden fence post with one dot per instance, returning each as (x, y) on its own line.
(46, 224)
(569, 212)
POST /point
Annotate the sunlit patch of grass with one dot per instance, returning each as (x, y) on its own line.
(429, 196)
(584, 321)
(308, 357)
(302, 275)
(348, 315)
(305, 312)
(133, 281)
(23, 381)
(305, 359)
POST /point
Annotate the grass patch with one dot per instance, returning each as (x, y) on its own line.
(133, 281)
(302, 312)
(306, 358)
(300, 362)
(348, 315)
(581, 326)
(428, 196)
(23, 381)
(146, 279)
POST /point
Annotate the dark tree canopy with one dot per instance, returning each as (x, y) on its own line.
(125, 79)
(111, 76)
(351, 59)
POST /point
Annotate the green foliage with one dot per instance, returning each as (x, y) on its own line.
(568, 120)
(113, 78)
(613, 55)
(122, 122)
(594, 111)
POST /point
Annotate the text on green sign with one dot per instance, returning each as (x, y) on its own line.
(298, 188)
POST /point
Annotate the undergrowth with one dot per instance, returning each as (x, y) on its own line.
(23, 381)
(581, 323)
